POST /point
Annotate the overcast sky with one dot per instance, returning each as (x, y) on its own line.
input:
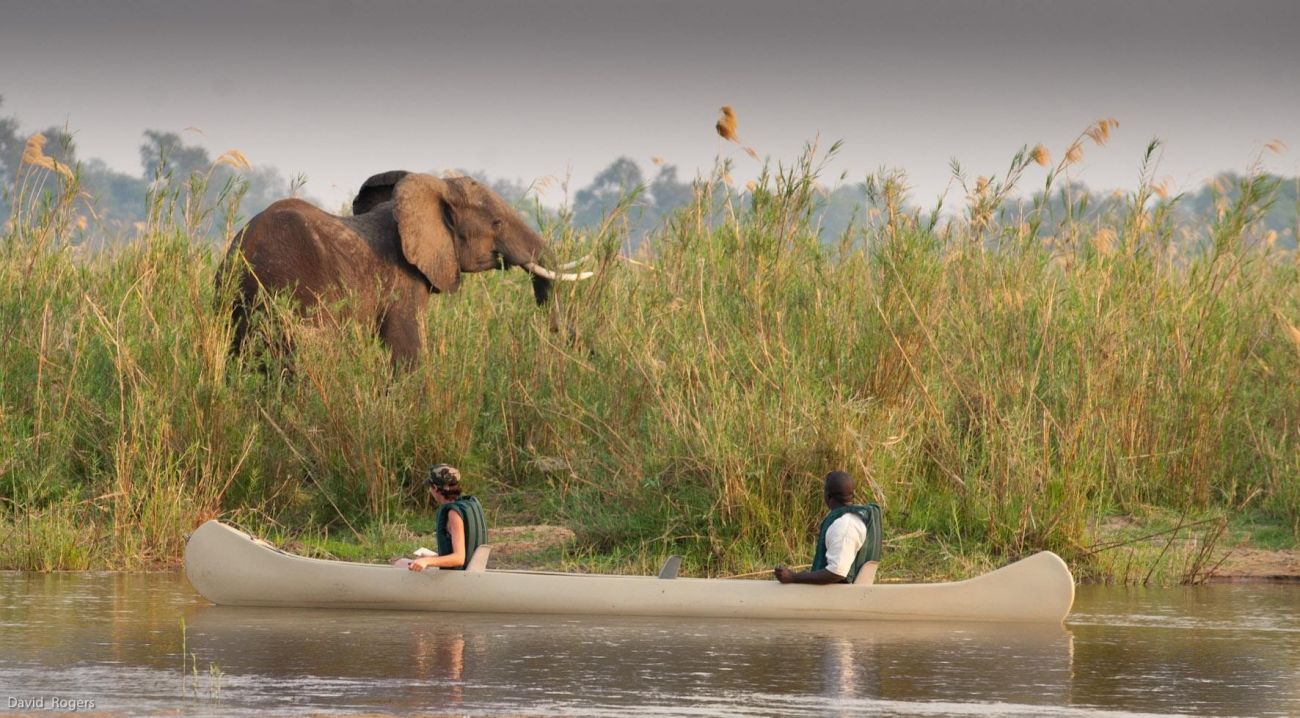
(340, 90)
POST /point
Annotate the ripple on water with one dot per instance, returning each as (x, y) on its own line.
(117, 639)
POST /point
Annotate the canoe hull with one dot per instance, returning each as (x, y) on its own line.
(228, 567)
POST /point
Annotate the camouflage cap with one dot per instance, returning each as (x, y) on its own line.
(441, 475)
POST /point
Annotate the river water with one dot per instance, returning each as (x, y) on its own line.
(144, 644)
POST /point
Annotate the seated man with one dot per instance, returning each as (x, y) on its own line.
(849, 537)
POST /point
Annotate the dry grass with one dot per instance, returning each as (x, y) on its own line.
(994, 381)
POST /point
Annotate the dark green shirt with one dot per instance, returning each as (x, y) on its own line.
(471, 513)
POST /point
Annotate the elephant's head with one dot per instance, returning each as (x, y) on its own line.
(450, 226)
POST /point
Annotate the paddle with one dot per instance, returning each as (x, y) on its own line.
(766, 570)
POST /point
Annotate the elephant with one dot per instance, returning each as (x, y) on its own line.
(410, 235)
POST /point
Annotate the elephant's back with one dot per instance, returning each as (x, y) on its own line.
(293, 242)
(287, 220)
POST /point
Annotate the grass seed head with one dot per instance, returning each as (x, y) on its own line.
(34, 150)
(34, 154)
(1099, 132)
(1041, 155)
(235, 159)
(545, 183)
(1074, 155)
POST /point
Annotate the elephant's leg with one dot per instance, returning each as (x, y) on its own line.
(239, 321)
(402, 330)
(264, 342)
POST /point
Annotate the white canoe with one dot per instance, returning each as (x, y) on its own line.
(228, 567)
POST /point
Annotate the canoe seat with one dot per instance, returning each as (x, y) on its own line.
(478, 562)
(670, 567)
(867, 574)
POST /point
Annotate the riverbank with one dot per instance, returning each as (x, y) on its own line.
(996, 381)
(1161, 548)
(1153, 552)
(1148, 555)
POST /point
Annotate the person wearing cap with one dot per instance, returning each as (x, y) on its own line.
(460, 526)
(848, 538)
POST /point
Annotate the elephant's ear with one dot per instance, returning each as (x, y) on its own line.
(420, 207)
(376, 190)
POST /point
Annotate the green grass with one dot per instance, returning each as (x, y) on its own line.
(995, 382)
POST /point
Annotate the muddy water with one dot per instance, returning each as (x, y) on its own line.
(128, 644)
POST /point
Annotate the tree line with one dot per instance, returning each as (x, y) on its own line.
(639, 200)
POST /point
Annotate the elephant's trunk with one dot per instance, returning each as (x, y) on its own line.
(523, 253)
(528, 259)
(541, 289)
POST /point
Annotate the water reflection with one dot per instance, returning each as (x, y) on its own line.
(118, 639)
(525, 660)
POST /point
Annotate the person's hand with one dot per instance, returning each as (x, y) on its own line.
(783, 574)
(416, 565)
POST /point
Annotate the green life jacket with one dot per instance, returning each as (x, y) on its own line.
(871, 548)
(471, 513)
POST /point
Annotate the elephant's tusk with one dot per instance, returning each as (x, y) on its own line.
(545, 273)
(573, 265)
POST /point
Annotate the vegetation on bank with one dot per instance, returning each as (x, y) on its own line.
(999, 382)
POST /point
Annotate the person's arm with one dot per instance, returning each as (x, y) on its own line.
(455, 527)
(820, 577)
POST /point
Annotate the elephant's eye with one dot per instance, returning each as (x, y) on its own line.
(496, 224)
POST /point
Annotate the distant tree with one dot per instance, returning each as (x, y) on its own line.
(59, 145)
(668, 193)
(1201, 208)
(11, 146)
(653, 204)
(841, 206)
(166, 153)
(11, 150)
(118, 198)
(611, 185)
